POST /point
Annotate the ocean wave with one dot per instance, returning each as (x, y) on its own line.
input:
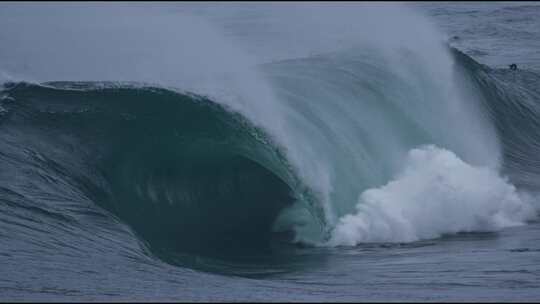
(225, 156)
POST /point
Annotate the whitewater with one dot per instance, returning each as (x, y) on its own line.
(301, 151)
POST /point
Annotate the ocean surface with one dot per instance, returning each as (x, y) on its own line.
(270, 151)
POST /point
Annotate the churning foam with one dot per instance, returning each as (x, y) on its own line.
(436, 193)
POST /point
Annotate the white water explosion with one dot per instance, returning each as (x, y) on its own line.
(437, 193)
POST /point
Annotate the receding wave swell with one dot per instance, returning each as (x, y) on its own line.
(511, 99)
(190, 176)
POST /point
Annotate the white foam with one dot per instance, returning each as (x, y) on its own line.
(436, 193)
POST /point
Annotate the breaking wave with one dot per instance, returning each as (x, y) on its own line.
(394, 138)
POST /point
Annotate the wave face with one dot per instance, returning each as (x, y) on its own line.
(220, 156)
(186, 174)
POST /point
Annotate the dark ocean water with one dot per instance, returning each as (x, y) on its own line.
(378, 153)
